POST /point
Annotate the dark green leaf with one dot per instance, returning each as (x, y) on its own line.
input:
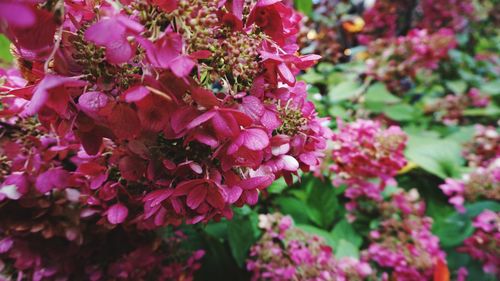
(343, 230)
(322, 202)
(242, 233)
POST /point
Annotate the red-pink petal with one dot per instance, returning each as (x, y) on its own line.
(196, 196)
(117, 213)
(255, 139)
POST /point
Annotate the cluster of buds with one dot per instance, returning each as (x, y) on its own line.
(285, 252)
(403, 243)
(182, 108)
(484, 244)
(366, 158)
(450, 108)
(395, 60)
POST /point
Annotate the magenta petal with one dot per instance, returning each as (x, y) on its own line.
(225, 124)
(235, 145)
(256, 182)
(105, 32)
(182, 66)
(17, 14)
(253, 107)
(117, 213)
(41, 92)
(252, 196)
(196, 196)
(216, 199)
(201, 119)
(255, 139)
(93, 102)
(51, 179)
(289, 163)
(120, 54)
(233, 193)
(237, 8)
(136, 93)
(286, 74)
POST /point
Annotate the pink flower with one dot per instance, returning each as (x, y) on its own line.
(51, 92)
(112, 33)
(166, 52)
(17, 13)
(117, 213)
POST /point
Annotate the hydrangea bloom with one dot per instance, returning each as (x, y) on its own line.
(403, 243)
(453, 14)
(394, 60)
(450, 108)
(287, 253)
(389, 19)
(482, 183)
(183, 108)
(484, 147)
(364, 153)
(484, 244)
(47, 231)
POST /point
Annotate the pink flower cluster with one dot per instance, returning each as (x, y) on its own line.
(454, 14)
(287, 253)
(183, 108)
(403, 243)
(484, 244)
(450, 108)
(393, 60)
(482, 183)
(48, 233)
(484, 148)
(366, 158)
(381, 20)
(483, 155)
(389, 19)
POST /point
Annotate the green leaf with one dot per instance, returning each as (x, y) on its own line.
(343, 91)
(277, 186)
(346, 249)
(319, 232)
(491, 87)
(475, 209)
(218, 230)
(242, 233)
(453, 230)
(5, 54)
(377, 97)
(321, 202)
(491, 110)
(305, 6)
(312, 77)
(343, 230)
(378, 93)
(441, 157)
(400, 112)
(293, 207)
(457, 86)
